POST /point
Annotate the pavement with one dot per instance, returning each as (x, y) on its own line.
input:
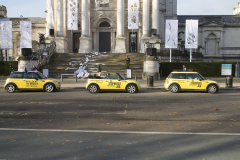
(70, 83)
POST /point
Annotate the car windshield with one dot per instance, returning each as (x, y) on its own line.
(121, 76)
(41, 75)
(201, 76)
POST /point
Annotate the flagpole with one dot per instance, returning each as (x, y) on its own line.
(191, 55)
(170, 54)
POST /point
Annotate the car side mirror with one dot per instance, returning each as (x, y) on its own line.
(119, 79)
(36, 78)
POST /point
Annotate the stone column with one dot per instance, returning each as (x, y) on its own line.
(155, 16)
(145, 24)
(146, 15)
(50, 16)
(120, 39)
(203, 42)
(60, 18)
(85, 39)
(59, 27)
(85, 26)
(222, 42)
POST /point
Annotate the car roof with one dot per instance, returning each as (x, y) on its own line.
(24, 71)
(183, 72)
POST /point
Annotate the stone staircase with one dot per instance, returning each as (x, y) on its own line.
(68, 63)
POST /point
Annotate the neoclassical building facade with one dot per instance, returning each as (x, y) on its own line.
(103, 27)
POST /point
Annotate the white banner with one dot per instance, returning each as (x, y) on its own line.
(6, 34)
(191, 34)
(133, 14)
(171, 34)
(26, 34)
(72, 14)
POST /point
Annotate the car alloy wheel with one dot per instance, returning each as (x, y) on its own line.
(49, 88)
(212, 89)
(174, 88)
(131, 88)
(11, 88)
(93, 88)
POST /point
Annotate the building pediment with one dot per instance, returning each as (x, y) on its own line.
(213, 24)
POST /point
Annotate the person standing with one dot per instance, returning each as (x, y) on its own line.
(133, 46)
(184, 68)
(99, 69)
(34, 68)
(127, 62)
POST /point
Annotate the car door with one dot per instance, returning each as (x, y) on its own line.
(193, 81)
(113, 83)
(17, 78)
(180, 79)
(29, 81)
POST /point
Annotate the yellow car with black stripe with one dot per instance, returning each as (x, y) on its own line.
(190, 81)
(30, 81)
(112, 82)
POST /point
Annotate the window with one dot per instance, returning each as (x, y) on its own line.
(193, 76)
(104, 24)
(178, 76)
(30, 75)
(16, 75)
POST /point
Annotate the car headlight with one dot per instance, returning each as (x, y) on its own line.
(55, 82)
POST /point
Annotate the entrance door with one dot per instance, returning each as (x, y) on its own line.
(76, 37)
(104, 41)
(133, 42)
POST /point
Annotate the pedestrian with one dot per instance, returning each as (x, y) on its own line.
(127, 62)
(99, 69)
(34, 68)
(184, 68)
(133, 46)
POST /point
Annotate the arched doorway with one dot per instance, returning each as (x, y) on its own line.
(104, 37)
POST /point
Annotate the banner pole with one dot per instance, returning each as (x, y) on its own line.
(190, 55)
(170, 54)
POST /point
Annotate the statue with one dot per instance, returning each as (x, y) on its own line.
(41, 38)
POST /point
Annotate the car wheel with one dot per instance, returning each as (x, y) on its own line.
(131, 88)
(93, 88)
(49, 88)
(174, 88)
(11, 88)
(212, 89)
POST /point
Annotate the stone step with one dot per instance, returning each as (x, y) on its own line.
(111, 63)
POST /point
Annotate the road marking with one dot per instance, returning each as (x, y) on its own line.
(123, 113)
(101, 113)
(120, 132)
(20, 112)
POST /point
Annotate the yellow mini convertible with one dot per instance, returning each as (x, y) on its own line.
(112, 82)
(190, 81)
(30, 81)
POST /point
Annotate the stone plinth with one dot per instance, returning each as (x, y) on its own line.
(120, 45)
(151, 68)
(84, 45)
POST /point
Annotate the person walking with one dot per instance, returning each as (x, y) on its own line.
(127, 62)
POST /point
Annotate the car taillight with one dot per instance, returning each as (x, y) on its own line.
(168, 81)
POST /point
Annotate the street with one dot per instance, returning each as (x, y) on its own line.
(151, 124)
